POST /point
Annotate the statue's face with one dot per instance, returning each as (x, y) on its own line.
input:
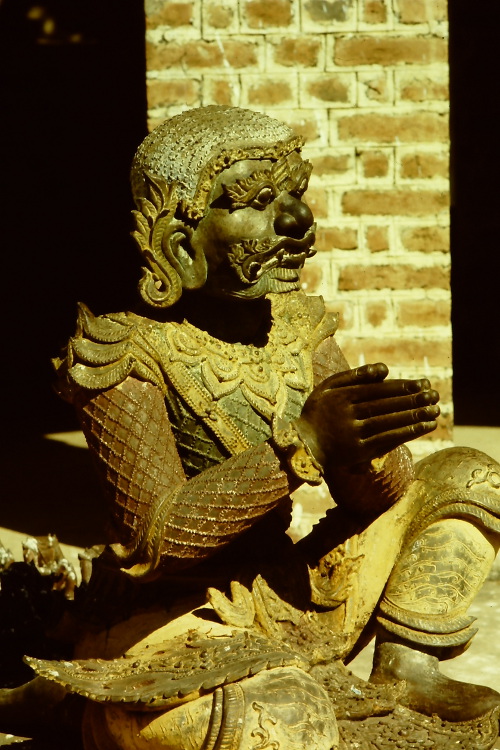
(257, 231)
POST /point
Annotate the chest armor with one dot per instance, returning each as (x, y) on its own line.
(248, 385)
(221, 398)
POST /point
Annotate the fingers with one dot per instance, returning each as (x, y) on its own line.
(368, 384)
(365, 374)
(389, 405)
(380, 425)
(380, 444)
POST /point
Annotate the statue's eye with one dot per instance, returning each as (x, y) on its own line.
(263, 198)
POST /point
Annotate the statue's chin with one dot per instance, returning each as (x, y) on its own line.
(275, 281)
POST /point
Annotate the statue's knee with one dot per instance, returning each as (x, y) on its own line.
(284, 706)
(465, 468)
(467, 482)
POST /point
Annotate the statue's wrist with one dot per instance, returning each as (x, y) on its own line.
(299, 456)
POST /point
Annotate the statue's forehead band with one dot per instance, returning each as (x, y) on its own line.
(195, 208)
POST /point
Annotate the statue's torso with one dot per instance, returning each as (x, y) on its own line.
(244, 386)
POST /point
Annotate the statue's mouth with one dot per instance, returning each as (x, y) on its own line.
(253, 258)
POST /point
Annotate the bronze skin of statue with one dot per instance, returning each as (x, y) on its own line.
(204, 408)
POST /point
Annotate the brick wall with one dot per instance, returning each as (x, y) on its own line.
(366, 81)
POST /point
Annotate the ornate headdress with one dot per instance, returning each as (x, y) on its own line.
(173, 172)
(195, 146)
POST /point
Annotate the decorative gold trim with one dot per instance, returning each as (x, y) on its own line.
(195, 208)
(160, 285)
(299, 458)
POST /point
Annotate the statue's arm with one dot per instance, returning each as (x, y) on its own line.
(159, 519)
(355, 424)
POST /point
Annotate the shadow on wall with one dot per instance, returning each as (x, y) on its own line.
(73, 112)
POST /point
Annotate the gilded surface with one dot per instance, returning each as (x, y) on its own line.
(203, 626)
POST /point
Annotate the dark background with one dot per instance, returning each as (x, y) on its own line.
(73, 111)
(73, 106)
(475, 215)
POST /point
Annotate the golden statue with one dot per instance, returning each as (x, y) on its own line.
(205, 627)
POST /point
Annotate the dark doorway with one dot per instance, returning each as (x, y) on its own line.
(475, 217)
(73, 112)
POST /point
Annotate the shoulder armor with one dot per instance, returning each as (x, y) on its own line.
(305, 314)
(105, 350)
(324, 324)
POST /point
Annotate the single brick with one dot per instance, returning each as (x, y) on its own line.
(171, 14)
(376, 313)
(317, 200)
(331, 164)
(163, 55)
(341, 238)
(376, 88)
(173, 91)
(377, 238)
(310, 277)
(421, 11)
(385, 50)
(426, 239)
(292, 52)
(269, 92)
(374, 11)
(200, 54)
(219, 16)
(423, 90)
(310, 124)
(326, 11)
(328, 88)
(354, 277)
(412, 11)
(396, 352)
(263, 13)
(424, 313)
(418, 127)
(307, 127)
(374, 163)
(394, 202)
(424, 166)
(223, 91)
(240, 54)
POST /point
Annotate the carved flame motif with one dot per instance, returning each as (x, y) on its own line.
(160, 285)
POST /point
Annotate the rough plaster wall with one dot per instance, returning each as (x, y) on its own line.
(366, 81)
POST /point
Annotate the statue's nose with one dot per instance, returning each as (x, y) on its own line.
(294, 217)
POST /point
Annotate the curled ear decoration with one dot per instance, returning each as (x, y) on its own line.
(160, 285)
(189, 262)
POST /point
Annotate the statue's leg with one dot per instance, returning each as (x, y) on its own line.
(422, 617)
(283, 707)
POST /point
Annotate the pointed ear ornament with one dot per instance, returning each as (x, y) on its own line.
(160, 285)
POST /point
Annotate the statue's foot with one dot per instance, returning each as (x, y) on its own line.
(427, 690)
